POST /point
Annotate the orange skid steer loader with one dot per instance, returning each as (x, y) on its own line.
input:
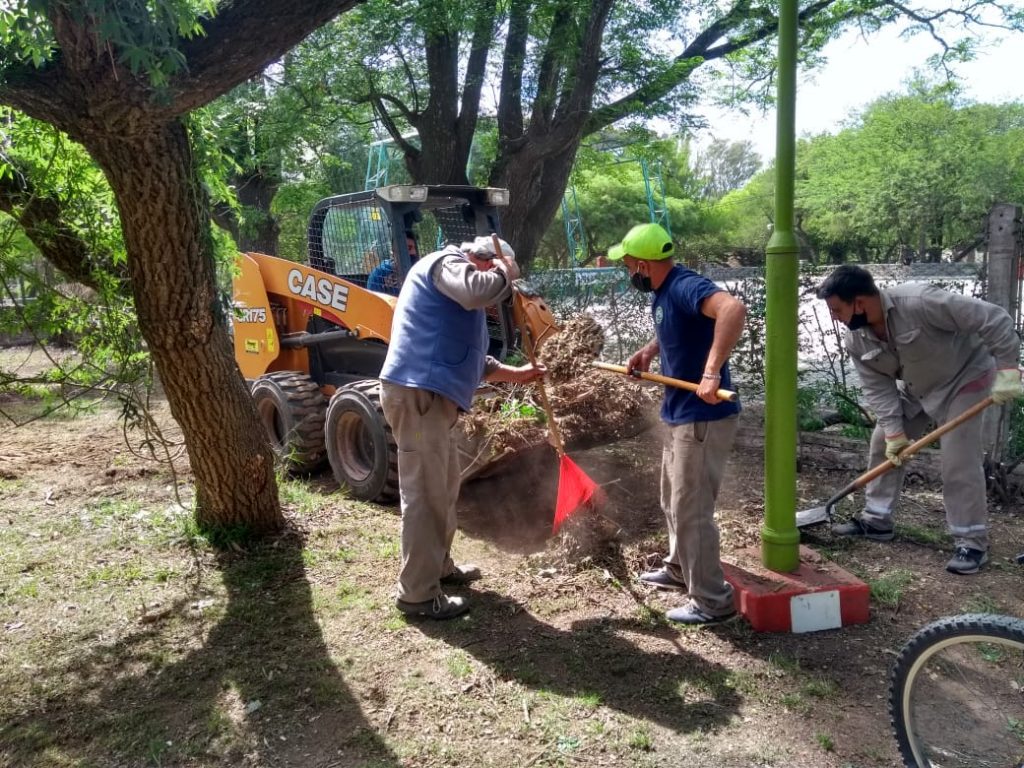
(312, 338)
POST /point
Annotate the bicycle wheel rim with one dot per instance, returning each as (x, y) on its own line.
(961, 697)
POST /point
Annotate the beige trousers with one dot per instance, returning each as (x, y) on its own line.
(963, 475)
(692, 464)
(428, 481)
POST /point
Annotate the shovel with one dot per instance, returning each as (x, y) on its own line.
(723, 394)
(817, 515)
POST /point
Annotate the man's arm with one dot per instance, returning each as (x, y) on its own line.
(641, 359)
(729, 315)
(513, 374)
(882, 396)
(467, 286)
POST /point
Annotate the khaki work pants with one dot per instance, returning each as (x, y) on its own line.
(428, 480)
(692, 464)
(963, 475)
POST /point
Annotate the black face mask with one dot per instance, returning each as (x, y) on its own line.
(858, 320)
(641, 282)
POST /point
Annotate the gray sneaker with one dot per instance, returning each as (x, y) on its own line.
(693, 614)
(662, 579)
(966, 561)
(858, 528)
(441, 607)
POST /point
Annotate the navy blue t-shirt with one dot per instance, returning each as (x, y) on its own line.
(685, 336)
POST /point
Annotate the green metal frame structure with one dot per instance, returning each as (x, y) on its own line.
(654, 188)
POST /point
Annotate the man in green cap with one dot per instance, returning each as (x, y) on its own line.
(696, 324)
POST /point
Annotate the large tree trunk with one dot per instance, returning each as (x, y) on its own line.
(256, 191)
(536, 186)
(164, 216)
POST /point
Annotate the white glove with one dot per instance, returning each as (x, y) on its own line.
(1007, 386)
(893, 445)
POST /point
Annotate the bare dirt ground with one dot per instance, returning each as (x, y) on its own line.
(126, 640)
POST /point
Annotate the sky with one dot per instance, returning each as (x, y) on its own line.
(858, 72)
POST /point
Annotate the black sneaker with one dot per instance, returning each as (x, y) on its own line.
(441, 607)
(663, 579)
(966, 561)
(858, 528)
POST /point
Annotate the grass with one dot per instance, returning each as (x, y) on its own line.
(887, 590)
(297, 494)
(640, 740)
(980, 603)
(925, 535)
(459, 666)
(139, 643)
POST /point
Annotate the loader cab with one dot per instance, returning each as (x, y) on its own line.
(372, 239)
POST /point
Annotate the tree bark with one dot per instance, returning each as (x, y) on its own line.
(260, 232)
(164, 216)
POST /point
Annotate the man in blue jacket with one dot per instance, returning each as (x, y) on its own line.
(696, 325)
(436, 359)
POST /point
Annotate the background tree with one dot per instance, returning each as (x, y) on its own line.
(608, 180)
(915, 173)
(724, 166)
(566, 69)
(121, 80)
(284, 130)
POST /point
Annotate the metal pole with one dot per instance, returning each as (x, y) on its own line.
(779, 536)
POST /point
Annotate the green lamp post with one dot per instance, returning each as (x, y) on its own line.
(779, 536)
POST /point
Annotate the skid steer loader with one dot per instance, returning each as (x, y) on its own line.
(312, 338)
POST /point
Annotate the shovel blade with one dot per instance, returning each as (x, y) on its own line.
(813, 516)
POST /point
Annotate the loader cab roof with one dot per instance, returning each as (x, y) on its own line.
(351, 235)
(364, 237)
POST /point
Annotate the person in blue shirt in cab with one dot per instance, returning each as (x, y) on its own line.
(384, 278)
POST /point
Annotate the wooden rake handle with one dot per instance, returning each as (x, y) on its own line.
(528, 344)
(723, 394)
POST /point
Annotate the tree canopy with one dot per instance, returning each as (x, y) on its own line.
(912, 176)
(547, 73)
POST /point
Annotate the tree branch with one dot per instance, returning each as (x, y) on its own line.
(241, 40)
(42, 218)
(699, 51)
(472, 86)
(510, 105)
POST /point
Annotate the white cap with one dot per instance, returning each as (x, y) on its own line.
(483, 247)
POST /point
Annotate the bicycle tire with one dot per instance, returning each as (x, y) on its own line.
(956, 694)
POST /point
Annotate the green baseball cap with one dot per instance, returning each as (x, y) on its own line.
(649, 242)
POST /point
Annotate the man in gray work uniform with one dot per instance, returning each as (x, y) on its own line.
(926, 354)
(436, 359)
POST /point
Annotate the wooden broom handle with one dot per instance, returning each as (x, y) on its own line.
(723, 394)
(524, 333)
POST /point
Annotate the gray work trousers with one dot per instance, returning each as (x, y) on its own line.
(423, 423)
(963, 475)
(692, 464)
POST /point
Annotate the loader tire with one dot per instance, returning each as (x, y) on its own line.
(292, 410)
(360, 446)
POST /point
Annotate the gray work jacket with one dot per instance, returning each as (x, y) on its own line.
(937, 342)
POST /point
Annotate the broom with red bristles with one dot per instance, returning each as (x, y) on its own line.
(576, 490)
